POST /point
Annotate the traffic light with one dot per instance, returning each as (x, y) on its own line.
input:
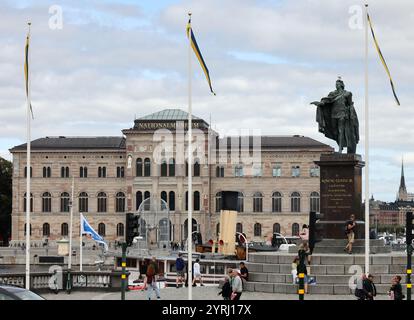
(132, 228)
(315, 228)
(409, 228)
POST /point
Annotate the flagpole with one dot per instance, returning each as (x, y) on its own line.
(366, 147)
(28, 171)
(190, 173)
(80, 242)
(70, 225)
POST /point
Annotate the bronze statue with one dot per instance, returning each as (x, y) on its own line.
(337, 118)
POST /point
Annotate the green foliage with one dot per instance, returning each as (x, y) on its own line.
(6, 171)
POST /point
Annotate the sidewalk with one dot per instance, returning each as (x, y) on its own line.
(199, 293)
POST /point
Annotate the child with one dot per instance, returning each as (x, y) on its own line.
(294, 268)
(226, 289)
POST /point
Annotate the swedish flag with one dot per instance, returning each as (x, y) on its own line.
(26, 69)
(198, 54)
(382, 59)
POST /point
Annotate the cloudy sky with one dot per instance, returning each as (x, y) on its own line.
(115, 60)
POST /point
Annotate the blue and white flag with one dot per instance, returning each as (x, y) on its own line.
(86, 229)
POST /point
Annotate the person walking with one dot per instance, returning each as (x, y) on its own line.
(226, 289)
(350, 228)
(369, 288)
(179, 266)
(151, 279)
(236, 286)
(395, 291)
(197, 273)
(359, 289)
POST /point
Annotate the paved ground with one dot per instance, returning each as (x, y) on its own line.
(199, 293)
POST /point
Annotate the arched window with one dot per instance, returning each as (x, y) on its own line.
(64, 230)
(47, 172)
(257, 230)
(276, 228)
(218, 201)
(164, 196)
(314, 171)
(276, 202)
(239, 227)
(314, 201)
(171, 168)
(64, 172)
(165, 230)
(196, 172)
(101, 202)
(120, 230)
(102, 172)
(163, 168)
(241, 202)
(257, 202)
(83, 202)
(138, 167)
(25, 172)
(196, 201)
(101, 229)
(217, 228)
(31, 202)
(171, 200)
(147, 167)
(138, 199)
(46, 202)
(295, 202)
(30, 227)
(147, 205)
(64, 202)
(120, 202)
(83, 172)
(295, 229)
(46, 230)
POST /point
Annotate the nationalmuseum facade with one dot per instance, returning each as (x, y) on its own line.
(114, 175)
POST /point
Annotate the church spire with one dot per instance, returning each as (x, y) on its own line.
(402, 191)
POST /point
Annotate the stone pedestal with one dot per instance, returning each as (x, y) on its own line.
(341, 193)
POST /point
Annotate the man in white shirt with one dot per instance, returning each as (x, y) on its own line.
(197, 273)
(236, 286)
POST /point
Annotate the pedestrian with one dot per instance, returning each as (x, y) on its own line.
(369, 288)
(244, 273)
(179, 266)
(236, 286)
(395, 292)
(197, 273)
(359, 289)
(151, 279)
(304, 257)
(226, 289)
(304, 234)
(350, 228)
(295, 269)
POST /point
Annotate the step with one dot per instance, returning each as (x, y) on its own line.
(355, 249)
(342, 279)
(343, 242)
(290, 288)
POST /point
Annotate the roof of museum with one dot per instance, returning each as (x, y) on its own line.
(168, 114)
(62, 142)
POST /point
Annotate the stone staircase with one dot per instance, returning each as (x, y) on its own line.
(337, 246)
(271, 272)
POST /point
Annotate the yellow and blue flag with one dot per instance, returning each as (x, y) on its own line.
(26, 69)
(198, 54)
(382, 59)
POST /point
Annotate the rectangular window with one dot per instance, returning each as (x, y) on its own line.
(314, 171)
(238, 171)
(295, 171)
(257, 170)
(277, 170)
(120, 172)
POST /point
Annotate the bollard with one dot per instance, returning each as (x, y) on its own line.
(301, 290)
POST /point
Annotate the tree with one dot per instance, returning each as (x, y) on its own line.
(6, 171)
